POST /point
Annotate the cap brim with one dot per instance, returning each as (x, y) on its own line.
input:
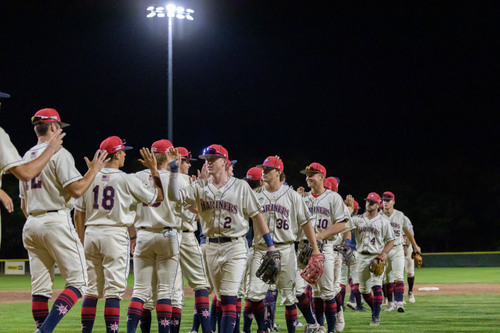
(233, 162)
(262, 166)
(304, 172)
(366, 199)
(204, 157)
(4, 95)
(64, 124)
(128, 148)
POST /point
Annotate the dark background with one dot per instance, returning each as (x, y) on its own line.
(388, 96)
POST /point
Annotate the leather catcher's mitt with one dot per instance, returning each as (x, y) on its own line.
(314, 268)
(306, 252)
(417, 258)
(347, 253)
(377, 266)
(270, 267)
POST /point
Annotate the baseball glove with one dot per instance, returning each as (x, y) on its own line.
(377, 266)
(270, 267)
(347, 253)
(417, 258)
(314, 269)
(306, 252)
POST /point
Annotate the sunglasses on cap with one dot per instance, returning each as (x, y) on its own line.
(309, 168)
(212, 151)
(36, 119)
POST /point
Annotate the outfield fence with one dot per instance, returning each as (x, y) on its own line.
(436, 259)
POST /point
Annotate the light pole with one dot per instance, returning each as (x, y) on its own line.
(171, 11)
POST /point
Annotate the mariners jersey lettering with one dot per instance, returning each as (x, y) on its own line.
(46, 191)
(158, 215)
(371, 235)
(285, 211)
(187, 217)
(9, 157)
(326, 210)
(224, 212)
(112, 198)
(399, 221)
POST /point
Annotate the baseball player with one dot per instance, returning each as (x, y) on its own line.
(48, 234)
(156, 255)
(409, 268)
(192, 265)
(286, 212)
(224, 204)
(395, 258)
(374, 238)
(103, 218)
(329, 214)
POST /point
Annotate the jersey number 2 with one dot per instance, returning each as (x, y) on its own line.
(108, 197)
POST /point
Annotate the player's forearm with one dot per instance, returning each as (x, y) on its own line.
(261, 225)
(78, 188)
(387, 248)
(311, 236)
(80, 224)
(411, 238)
(157, 181)
(173, 188)
(331, 230)
(27, 171)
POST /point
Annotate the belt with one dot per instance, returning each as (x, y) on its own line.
(44, 212)
(307, 242)
(149, 228)
(222, 239)
(366, 253)
(284, 243)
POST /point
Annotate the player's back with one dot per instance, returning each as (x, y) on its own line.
(46, 192)
(112, 198)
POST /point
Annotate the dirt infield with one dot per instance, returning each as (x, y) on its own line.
(21, 296)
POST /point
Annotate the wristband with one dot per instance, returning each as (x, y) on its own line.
(173, 166)
(267, 238)
(132, 238)
(348, 242)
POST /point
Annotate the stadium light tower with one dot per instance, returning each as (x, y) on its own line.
(171, 11)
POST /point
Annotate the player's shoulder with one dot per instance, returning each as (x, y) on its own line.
(383, 218)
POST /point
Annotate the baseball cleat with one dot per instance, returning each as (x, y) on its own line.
(360, 309)
(385, 301)
(340, 322)
(351, 305)
(400, 306)
(411, 298)
(391, 307)
(311, 328)
(321, 329)
(375, 322)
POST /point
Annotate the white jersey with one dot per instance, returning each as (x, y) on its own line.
(46, 192)
(399, 221)
(9, 157)
(224, 212)
(188, 218)
(326, 210)
(285, 212)
(112, 198)
(371, 235)
(159, 215)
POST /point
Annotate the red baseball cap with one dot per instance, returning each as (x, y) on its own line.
(314, 167)
(113, 144)
(356, 205)
(161, 146)
(372, 196)
(254, 173)
(388, 195)
(214, 150)
(185, 154)
(331, 184)
(272, 162)
(47, 116)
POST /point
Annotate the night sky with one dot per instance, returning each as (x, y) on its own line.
(388, 96)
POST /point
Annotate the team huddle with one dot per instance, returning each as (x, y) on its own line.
(260, 238)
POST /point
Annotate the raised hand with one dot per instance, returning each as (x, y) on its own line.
(99, 160)
(56, 140)
(149, 159)
(6, 201)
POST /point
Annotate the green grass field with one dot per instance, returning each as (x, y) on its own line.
(431, 313)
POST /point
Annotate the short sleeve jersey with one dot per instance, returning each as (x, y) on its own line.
(157, 215)
(187, 217)
(9, 157)
(112, 198)
(285, 212)
(224, 212)
(326, 210)
(371, 235)
(399, 221)
(46, 192)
